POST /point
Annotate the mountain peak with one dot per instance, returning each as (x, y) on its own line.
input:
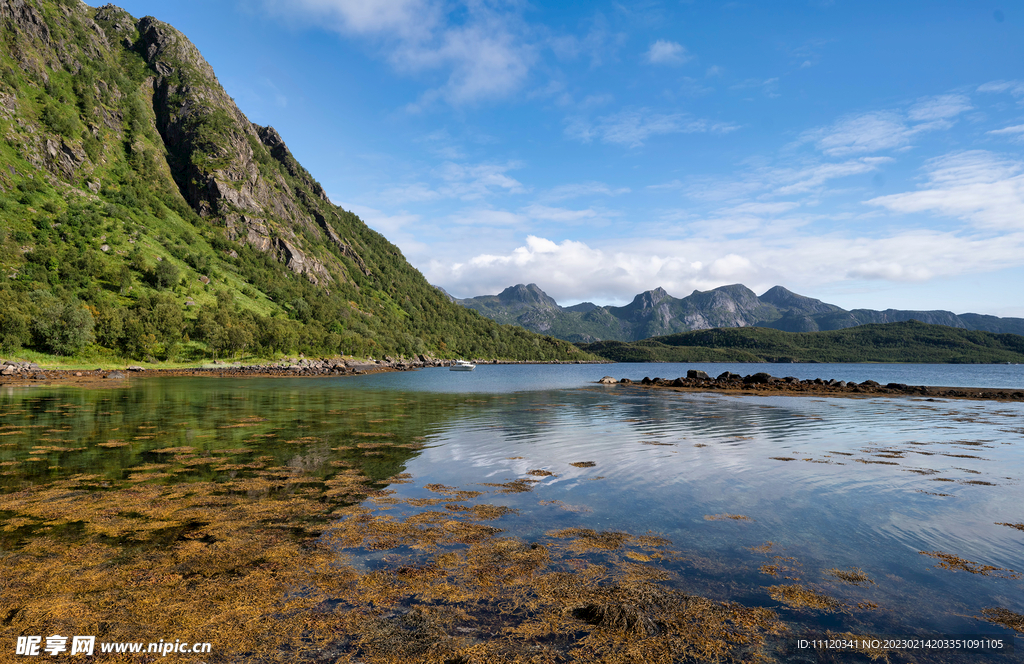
(655, 312)
(645, 302)
(794, 304)
(777, 292)
(528, 294)
(651, 297)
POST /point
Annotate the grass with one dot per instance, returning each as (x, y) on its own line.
(101, 358)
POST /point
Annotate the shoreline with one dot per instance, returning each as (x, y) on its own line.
(763, 384)
(28, 374)
(14, 373)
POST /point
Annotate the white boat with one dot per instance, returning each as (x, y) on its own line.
(462, 365)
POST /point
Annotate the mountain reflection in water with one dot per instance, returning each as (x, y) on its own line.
(858, 516)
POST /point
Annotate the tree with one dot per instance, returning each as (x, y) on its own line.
(167, 274)
(13, 330)
(64, 328)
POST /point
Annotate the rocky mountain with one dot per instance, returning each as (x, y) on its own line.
(143, 215)
(656, 313)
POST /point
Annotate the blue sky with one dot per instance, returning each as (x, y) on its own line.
(870, 154)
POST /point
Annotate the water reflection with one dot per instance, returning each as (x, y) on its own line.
(832, 484)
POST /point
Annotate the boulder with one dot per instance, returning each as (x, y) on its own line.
(607, 380)
(757, 379)
(728, 375)
(697, 373)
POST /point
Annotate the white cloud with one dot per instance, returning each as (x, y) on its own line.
(876, 131)
(600, 44)
(484, 218)
(459, 181)
(381, 221)
(416, 192)
(594, 101)
(760, 208)
(397, 227)
(411, 19)
(1016, 129)
(664, 52)
(869, 132)
(1014, 133)
(941, 107)
(443, 145)
(1015, 88)
(566, 191)
(572, 271)
(486, 61)
(772, 181)
(768, 86)
(559, 215)
(486, 51)
(633, 127)
(731, 267)
(802, 180)
(569, 271)
(976, 186)
(474, 181)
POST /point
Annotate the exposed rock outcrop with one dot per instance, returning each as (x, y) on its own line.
(656, 313)
(763, 383)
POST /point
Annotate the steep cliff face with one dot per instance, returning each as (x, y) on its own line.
(223, 166)
(228, 167)
(135, 190)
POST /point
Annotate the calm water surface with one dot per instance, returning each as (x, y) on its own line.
(866, 483)
(501, 378)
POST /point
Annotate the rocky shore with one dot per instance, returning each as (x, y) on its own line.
(14, 372)
(766, 384)
(28, 372)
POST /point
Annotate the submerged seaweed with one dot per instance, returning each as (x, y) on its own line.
(1004, 617)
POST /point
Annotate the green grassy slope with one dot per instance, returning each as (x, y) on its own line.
(892, 342)
(143, 216)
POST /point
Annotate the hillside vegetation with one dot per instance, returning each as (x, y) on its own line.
(143, 216)
(891, 342)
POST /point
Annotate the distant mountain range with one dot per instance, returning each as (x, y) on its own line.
(656, 313)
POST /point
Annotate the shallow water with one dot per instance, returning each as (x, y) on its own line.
(867, 483)
(512, 378)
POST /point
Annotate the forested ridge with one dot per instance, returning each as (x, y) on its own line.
(910, 341)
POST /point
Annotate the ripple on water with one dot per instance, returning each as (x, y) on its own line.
(836, 484)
